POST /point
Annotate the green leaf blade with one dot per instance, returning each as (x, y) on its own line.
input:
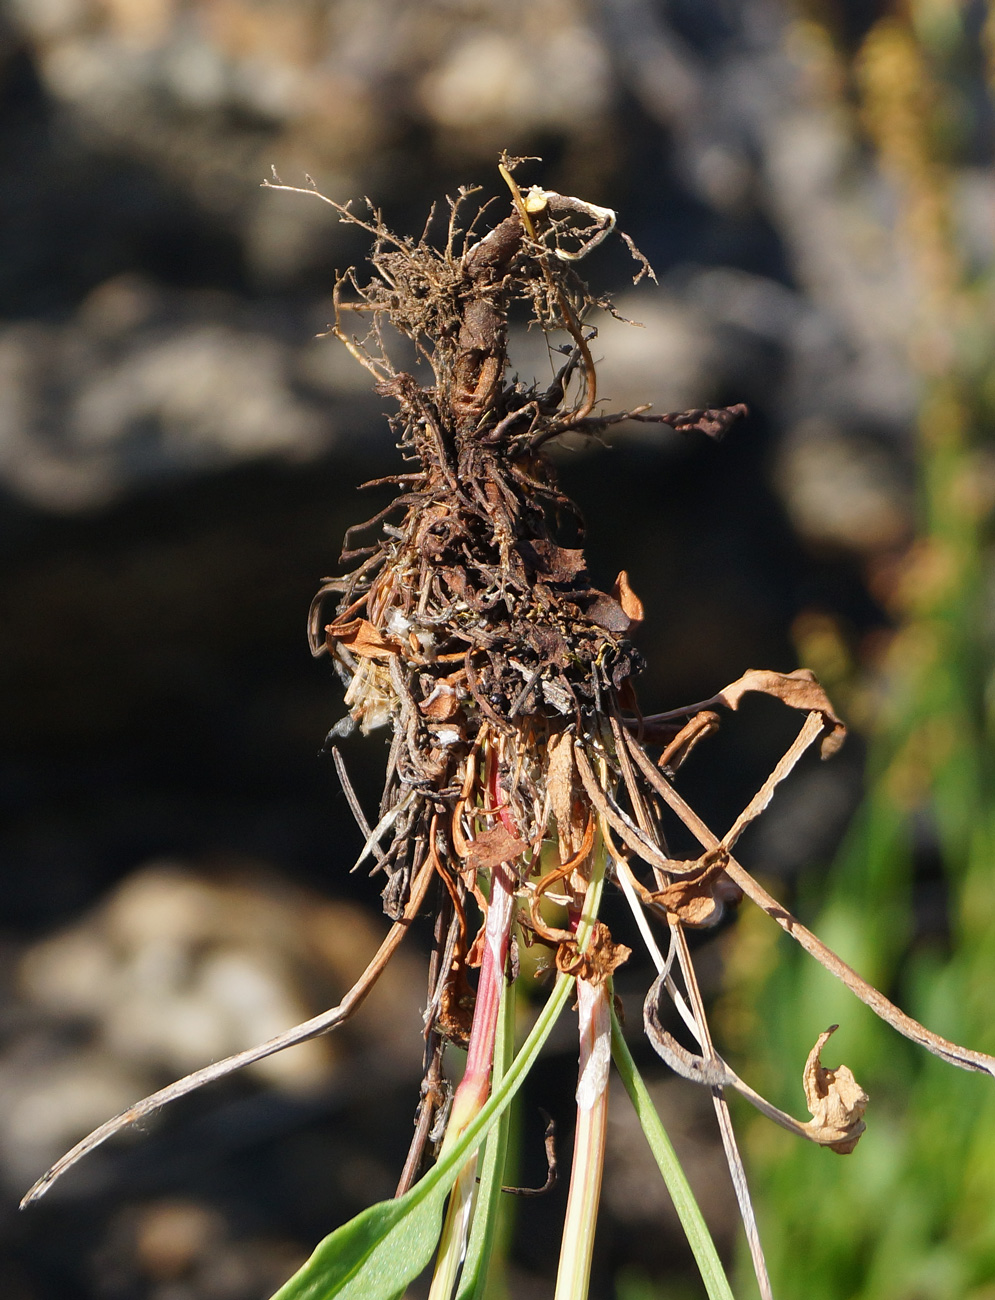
(696, 1230)
(378, 1253)
(473, 1282)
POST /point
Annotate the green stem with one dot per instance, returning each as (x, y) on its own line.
(383, 1249)
(577, 1245)
(474, 1087)
(594, 1015)
(699, 1238)
(484, 1234)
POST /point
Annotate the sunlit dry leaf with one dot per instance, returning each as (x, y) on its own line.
(799, 690)
(810, 731)
(302, 1033)
(560, 786)
(494, 846)
(692, 899)
(362, 639)
(441, 706)
(677, 752)
(964, 1058)
(598, 961)
(836, 1100)
(630, 602)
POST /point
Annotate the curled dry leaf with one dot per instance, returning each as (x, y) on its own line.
(964, 1058)
(598, 961)
(692, 899)
(494, 846)
(677, 752)
(799, 690)
(630, 602)
(361, 638)
(835, 1099)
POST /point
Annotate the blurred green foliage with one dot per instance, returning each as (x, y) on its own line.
(910, 900)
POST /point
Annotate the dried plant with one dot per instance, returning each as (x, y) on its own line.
(521, 769)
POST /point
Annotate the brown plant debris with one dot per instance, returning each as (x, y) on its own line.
(599, 960)
(835, 1099)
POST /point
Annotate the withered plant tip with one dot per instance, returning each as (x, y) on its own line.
(476, 635)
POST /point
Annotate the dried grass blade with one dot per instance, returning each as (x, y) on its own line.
(734, 1160)
(352, 799)
(737, 1173)
(964, 1057)
(381, 829)
(631, 887)
(811, 730)
(301, 1033)
(618, 820)
(631, 784)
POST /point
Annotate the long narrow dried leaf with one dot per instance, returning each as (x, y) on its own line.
(618, 821)
(834, 1097)
(734, 1159)
(799, 690)
(812, 728)
(964, 1057)
(301, 1033)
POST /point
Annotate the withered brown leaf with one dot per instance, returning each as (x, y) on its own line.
(692, 900)
(799, 690)
(560, 772)
(494, 846)
(558, 563)
(835, 1099)
(361, 638)
(630, 602)
(599, 960)
(441, 706)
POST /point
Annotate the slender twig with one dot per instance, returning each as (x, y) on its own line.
(549, 1143)
(355, 807)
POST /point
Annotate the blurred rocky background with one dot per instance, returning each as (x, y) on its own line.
(179, 455)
